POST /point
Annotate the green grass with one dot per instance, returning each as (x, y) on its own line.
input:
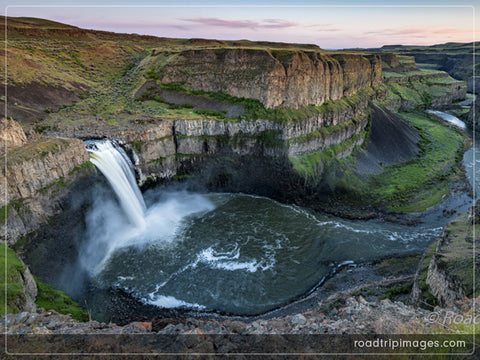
(13, 275)
(60, 182)
(409, 73)
(35, 150)
(85, 167)
(158, 161)
(137, 146)
(50, 298)
(254, 109)
(4, 213)
(312, 164)
(398, 290)
(413, 185)
(47, 297)
(423, 179)
(208, 113)
(420, 93)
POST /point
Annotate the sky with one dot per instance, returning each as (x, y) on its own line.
(329, 24)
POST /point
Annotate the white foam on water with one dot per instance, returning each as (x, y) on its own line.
(346, 262)
(225, 260)
(170, 302)
(122, 278)
(228, 261)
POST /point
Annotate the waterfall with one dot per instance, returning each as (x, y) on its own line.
(115, 165)
(107, 230)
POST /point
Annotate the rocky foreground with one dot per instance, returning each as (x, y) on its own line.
(355, 316)
(308, 332)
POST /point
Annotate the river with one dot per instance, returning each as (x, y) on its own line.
(230, 253)
(471, 158)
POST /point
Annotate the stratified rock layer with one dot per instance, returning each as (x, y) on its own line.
(33, 179)
(276, 78)
(37, 165)
(447, 271)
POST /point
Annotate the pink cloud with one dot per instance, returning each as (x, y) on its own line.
(419, 32)
(323, 27)
(453, 31)
(249, 24)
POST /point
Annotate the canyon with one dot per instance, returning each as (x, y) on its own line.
(458, 59)
(315, 128)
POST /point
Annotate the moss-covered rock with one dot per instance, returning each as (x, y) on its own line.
(50, 298)
(447, 271)
(17, 285)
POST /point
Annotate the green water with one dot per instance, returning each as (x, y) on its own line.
(246, 254)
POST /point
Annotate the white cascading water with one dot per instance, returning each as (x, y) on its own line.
(107, 230)
(115, 165)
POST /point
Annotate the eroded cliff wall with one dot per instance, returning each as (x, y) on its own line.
(276, 78)
(34, 177)
(447, 271)
(473, 118)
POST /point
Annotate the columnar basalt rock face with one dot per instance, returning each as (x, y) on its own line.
(359, 72)
(445, 288)
(33, 177)
(333, 117)
(456, 92)
(321, 141)
(390, 60)
(210, 127)
(415, 77)
(449, 276)
(35, 166)
(276, 78)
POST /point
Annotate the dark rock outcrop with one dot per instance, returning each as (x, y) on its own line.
(25, 298)
(473, 117)
(391, 141)
(446, 272)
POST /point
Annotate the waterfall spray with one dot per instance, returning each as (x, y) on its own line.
(107, 230)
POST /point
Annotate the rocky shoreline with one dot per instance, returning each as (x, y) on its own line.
(303, 332)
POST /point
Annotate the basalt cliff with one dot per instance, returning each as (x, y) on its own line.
(237, 116)
(35, 178)
(458, 59)
(276, 78)
(246, 102)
